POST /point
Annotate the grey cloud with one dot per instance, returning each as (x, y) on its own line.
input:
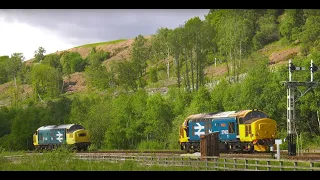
(93, 25)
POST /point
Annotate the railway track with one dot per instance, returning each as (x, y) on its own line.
(283, 154)
(141, 152)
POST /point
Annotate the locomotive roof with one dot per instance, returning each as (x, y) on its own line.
(223, 114)
(240, 113)
(62, 126)
(251, 120)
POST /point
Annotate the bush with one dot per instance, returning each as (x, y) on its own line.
(151, 145)
(153, 75)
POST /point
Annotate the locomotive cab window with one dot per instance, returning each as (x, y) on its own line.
(240, 120)
(231, 127)
(187, 131)
(248, 130)
(75, 127)
(254, 114)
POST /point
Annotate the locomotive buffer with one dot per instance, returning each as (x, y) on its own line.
(291, 86)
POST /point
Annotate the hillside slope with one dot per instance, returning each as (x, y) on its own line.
(121, 50)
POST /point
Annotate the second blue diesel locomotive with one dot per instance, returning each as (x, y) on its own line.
(244, 131)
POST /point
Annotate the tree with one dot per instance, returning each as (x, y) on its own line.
(71, 62)
(161, 47)
(39, 54)
(46, 81)
(311, 33)
(3, 69)
(268, 29)
(291, 24)
(140, 55)
(97, 74)
(14, 64)
(174, 38)
(127, 75)
(158, 118)
(53, 60)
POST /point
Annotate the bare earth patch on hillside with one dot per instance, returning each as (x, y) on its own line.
(284, 55)
(75, 83)
(83, 51)
(213, 71)
(118, 51)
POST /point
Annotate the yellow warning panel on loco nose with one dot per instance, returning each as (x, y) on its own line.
(265, 128)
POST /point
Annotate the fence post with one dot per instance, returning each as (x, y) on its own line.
(234, 163)
(215, 163)
(246, 164)
(257, 167)
(311, 166)
(225, 163)
(281, 164)
(295, 165)
(268, 164)
(206, 163)
(181, 161)
(173, 160)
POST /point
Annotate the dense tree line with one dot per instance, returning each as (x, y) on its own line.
(124, 116)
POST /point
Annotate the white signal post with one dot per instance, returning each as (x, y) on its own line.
(278, 142)
(292, 85)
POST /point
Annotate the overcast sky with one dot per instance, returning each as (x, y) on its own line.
(24, 30)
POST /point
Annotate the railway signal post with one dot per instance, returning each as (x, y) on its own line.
(291, 86)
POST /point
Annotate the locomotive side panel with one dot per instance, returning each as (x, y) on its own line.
(226, 127)
(199, 127)
(51, 136)
(245, 132)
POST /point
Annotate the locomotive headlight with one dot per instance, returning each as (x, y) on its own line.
(274, 134)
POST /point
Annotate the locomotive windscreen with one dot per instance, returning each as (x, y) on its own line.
(254, 114)
(75, 127)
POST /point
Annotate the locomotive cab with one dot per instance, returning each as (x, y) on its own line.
(260, 131)
(78, 135)
(183, 138)
(35, 139)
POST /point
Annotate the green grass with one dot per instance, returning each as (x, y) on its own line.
(65, 161)
(101, 43)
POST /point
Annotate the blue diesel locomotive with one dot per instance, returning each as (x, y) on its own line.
(53, 136)
(239, 131)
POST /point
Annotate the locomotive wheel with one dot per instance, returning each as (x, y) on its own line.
(251, 149)
(183, 146)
